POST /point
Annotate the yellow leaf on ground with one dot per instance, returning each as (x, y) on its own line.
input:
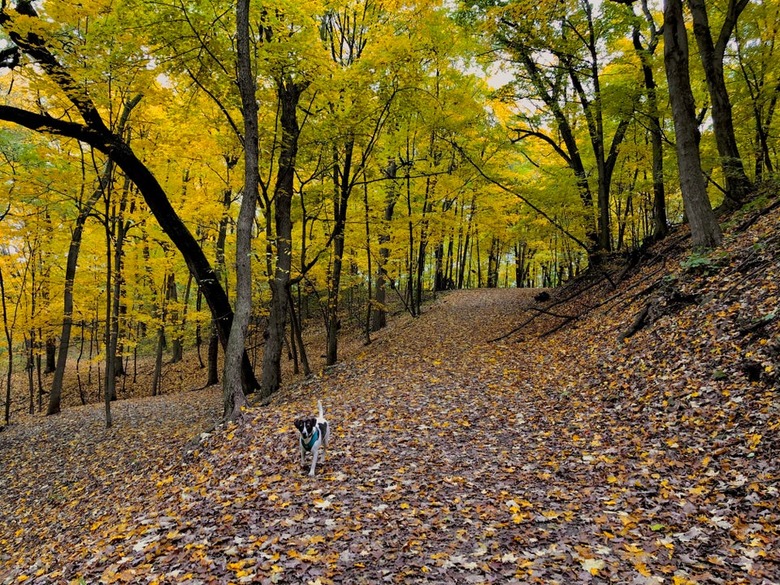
(593, 566)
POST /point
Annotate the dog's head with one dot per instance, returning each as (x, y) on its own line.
(306, 426)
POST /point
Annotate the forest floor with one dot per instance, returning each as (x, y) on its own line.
(624, 431)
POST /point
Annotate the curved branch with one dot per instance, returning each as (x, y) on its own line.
(525, 133)
(503, 187)
(35, 47)
(157, 201)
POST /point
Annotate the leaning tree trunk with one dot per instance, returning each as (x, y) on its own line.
(705, 231)
(95, 133)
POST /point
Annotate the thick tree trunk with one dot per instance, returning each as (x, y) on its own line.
(738, 185)
(289, 93)
(705, 231)
(51, 355)
(233, 395)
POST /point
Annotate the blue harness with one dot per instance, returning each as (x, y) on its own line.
(313, 439)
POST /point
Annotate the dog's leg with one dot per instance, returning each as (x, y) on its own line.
(303, 454)
(315, 450)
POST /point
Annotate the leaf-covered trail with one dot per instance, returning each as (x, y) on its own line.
(454, 460)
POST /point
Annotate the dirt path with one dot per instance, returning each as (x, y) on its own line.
(454, 460)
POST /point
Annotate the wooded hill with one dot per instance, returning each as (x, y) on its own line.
(210, 174)
(622, 428)
(232, 182)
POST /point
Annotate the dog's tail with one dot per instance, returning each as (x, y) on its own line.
(319, 406)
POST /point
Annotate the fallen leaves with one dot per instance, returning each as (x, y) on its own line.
(568, 459)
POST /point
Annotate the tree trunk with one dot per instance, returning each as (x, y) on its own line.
(705, 231)
(172, 295)
(55, 396)
(523, 256)
(162, 315)
(177, 353)
(660, 221)
(738, 186)
(95, 133)
(494, 263)
(51, 355)
(212, 366)
(295, 321)
(159, 346)
(342, 188)
(110, 340)
(213, 349)
(289, 93)
(10, 344)
(233, 395)
(379, 313)
(369, 269)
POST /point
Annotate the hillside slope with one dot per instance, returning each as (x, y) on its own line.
(624, 431)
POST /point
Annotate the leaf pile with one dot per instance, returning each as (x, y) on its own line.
(496, 439)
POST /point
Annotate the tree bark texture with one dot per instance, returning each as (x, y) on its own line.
(289, 93)
(343, 189)
(705, 231)
(738, 185)
(233, 395)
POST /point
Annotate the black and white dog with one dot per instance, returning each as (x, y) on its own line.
(314, 436)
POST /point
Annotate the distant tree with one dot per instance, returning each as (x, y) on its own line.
(85, 209)
(557, 48)
(759, 66)
(646, 53)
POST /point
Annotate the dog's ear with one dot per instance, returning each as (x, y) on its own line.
(298, 424)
